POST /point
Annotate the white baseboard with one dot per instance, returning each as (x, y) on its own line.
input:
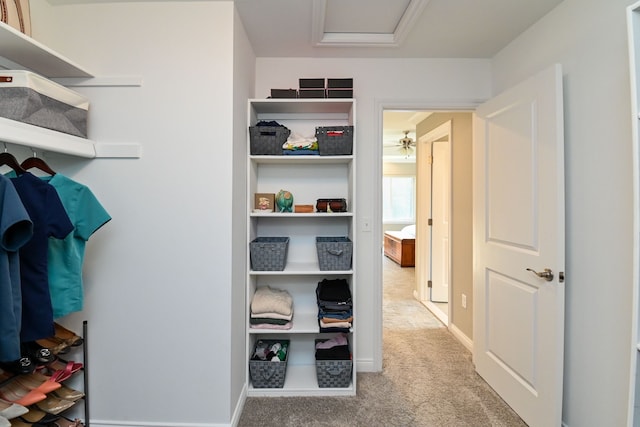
(465, 340)
(110, 423)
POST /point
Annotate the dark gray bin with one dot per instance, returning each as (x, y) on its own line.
(269, 253)
(334, 253)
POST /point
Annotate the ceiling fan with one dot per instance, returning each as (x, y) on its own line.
(405, 145)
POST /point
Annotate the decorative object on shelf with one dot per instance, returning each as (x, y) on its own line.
(284, 201)
(17, 14)
(303, 208)
(264, 202)
(331, 205)
(30, 98)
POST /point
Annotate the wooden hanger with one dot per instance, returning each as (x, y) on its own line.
(37, 162)
(8, 159)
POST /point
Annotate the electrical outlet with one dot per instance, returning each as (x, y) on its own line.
(366, 224)
(464, 301)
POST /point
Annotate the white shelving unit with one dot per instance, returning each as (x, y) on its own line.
(308, 178)
(23, 52)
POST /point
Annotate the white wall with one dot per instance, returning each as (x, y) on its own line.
(159, 276)
(416, 84)
(589, 39)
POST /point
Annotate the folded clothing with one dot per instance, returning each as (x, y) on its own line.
(336, 348)
(269, 300)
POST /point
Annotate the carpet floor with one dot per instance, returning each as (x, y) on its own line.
(428, 379)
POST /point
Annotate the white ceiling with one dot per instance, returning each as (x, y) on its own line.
(381, 28)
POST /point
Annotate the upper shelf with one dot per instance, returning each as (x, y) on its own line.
(35, 56)
(30, 54)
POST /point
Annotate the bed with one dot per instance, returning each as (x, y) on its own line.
(400, 246)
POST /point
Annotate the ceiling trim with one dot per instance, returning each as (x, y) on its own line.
(320, 38)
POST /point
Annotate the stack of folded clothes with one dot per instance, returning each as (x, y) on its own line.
(299, 145)
(335, 307)
(271, 309)
(336, 348)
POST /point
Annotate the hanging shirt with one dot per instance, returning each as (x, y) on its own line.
(49, 220)
(16, 229)
(66, 256)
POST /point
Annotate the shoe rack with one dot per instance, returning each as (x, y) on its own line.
(66, 369)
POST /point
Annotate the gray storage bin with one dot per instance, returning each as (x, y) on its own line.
(268, 374)
(335, 140)
(333, 373)
(32, 99)
(269, 253)
(267, 140)
(334, 253)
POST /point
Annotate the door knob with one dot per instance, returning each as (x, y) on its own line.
(547, 274)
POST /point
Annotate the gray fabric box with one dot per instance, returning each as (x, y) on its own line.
(30, 98)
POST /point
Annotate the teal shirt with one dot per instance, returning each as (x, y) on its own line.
(66, 256)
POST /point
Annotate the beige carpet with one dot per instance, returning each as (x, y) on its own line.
(428, 379)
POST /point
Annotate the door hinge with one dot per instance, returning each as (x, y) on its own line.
(430, 221)
(429, 284)
(430, 160)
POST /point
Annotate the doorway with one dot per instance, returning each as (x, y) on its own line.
(454, 244)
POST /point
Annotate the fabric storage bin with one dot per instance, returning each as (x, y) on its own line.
(333, 373)
(335, 140)
(30, 98)
(334, 253)
(267, 140)
(268, 253)
(266, 373)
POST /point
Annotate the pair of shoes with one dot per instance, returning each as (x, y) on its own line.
(17, 393)
(54, 405)
(68, 393)
(38, 382)
(60, 370)
(37, 352)
(24, 365)
(11, 410)
(38, 416)
(62, 341)
(66, 422)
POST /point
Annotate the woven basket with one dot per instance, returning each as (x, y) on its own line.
(267, 140)
(269, 253)
(333, 373)
(334, 253)
(335, 140)
(268, 374)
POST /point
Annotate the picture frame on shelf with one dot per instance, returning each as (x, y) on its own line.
(264, 202)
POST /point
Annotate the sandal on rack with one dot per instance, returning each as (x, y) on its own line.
(54, 405)
(61, 370)
(67, 393)
(38, 382)
(11, 410)
(36, 415)
(67, 335)
(37, 352)
(17, 393)
(55, 345)
(66, 422)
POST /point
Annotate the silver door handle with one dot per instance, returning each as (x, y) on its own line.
(547, 274)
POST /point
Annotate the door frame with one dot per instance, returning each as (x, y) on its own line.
(423, 293)
(380, 105)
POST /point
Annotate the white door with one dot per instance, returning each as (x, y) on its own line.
(423, 214)
(440, 213)
(519, 225)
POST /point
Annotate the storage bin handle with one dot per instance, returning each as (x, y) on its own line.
(335, 371)
(267, 133)
(267, 371)
(336, 252)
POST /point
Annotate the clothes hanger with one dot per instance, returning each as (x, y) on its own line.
(8, 159)
(37, 162)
